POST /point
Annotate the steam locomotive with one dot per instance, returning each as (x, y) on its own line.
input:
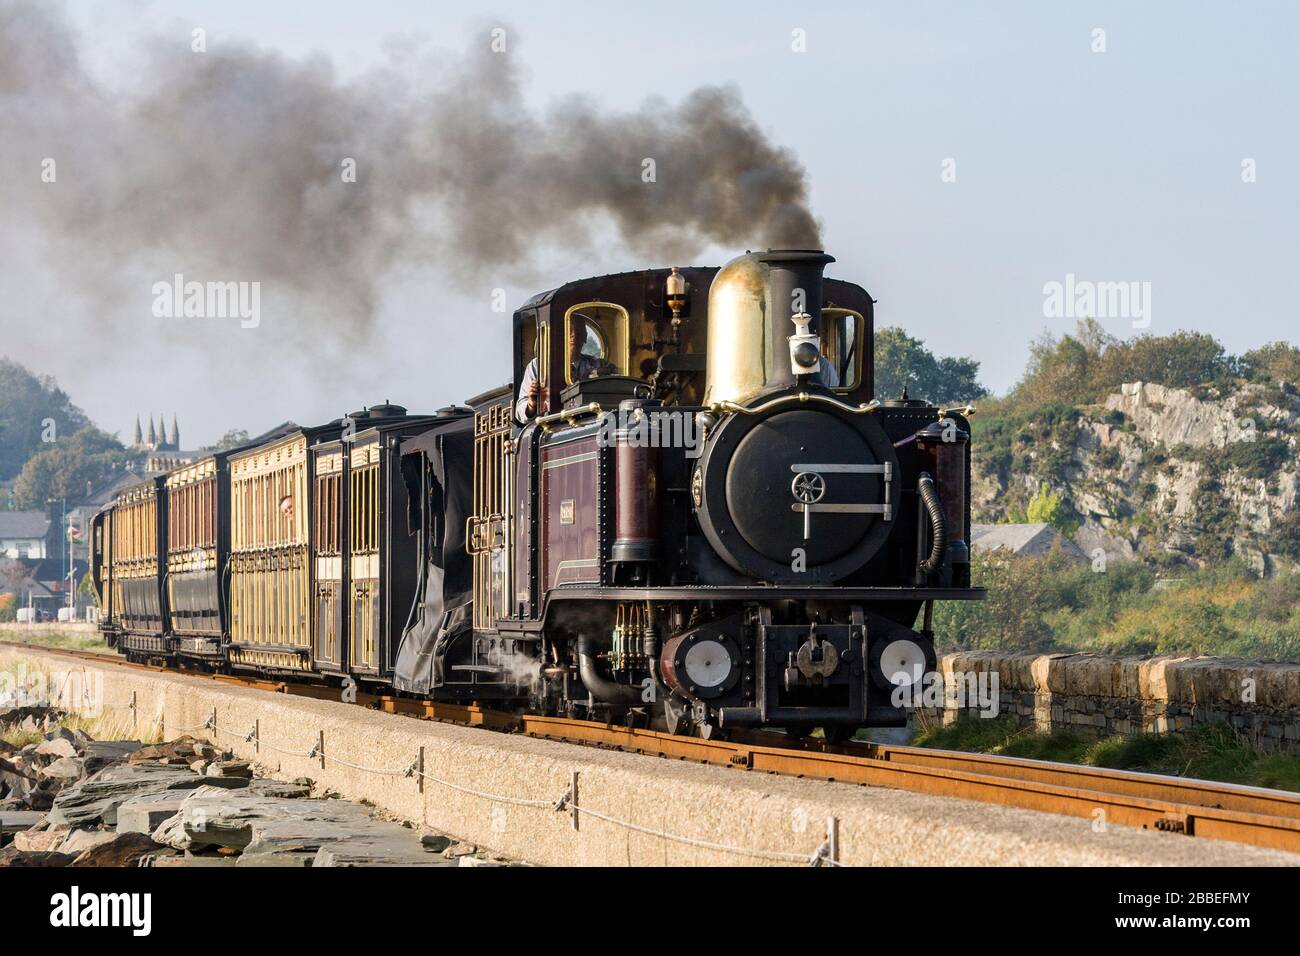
(687, 511)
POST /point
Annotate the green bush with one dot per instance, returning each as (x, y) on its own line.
(1054, 603)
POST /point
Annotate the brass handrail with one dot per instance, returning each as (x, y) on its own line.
(799, 398)
(568, 414)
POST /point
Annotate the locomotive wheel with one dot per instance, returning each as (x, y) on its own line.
(838, 733)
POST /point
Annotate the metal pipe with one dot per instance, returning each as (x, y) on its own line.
(621, 696)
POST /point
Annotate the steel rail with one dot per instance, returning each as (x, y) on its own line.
(1199, 808)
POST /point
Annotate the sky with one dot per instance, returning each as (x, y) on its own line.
(959, 157)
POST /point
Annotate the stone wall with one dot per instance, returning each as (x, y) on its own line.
(1134, 695)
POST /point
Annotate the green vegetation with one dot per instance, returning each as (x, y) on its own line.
(1052, 603)
(1081, 368)
(1215, 752)
(1276, 363)
(231, 439)
(1046, 507)
(69, 468)
(903, 362)
(48, 636)
(31, 408)
(1031, 430)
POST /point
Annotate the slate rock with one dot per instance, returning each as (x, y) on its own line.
(111, 751)
(16, 859)
(144, 814)
(15, 785)
(435, 842)
(78, 841)
(96, 799)
(301, 859)
(278, 789)
(57, 747)
(39, 841)
(42, 798)
(261, 826)
(179, 750)
(124, 849)
(63, 770)
(230, 768)
(379, 849)
(15, 821)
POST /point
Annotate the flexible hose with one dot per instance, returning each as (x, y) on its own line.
(938, 523)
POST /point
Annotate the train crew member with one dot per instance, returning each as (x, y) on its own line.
(826, 374)
(581, 366)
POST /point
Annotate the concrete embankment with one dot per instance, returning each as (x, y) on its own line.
(500, 792)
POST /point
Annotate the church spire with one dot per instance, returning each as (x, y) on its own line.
(176, 434)
(139, 436)
(153, 435)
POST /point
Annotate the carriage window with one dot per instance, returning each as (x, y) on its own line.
(597, 339)
(842, 331)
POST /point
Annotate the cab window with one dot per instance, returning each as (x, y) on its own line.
(596, 337)
(842, 331)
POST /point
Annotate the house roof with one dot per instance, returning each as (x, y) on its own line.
(23, 524)
(1022, 539)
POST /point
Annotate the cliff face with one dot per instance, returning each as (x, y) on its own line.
(1158, 473)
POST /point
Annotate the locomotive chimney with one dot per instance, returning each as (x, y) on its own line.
(751, 303)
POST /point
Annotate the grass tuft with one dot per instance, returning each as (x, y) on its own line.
(1212, 752)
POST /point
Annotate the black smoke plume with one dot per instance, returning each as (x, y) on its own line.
(227, 165)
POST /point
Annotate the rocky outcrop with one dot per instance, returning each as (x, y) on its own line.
(1163, 474)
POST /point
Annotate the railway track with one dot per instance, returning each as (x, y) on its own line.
(1174, 805)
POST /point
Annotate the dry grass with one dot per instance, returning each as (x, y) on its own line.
(96, 717)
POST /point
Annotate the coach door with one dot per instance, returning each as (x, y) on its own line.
(487, 532)
(328, 546)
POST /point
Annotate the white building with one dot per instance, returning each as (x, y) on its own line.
(24, 534)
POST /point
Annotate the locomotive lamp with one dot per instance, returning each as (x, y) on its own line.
(805, 346)
(675, 292)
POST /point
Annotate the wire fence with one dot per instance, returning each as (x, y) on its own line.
(825, 854)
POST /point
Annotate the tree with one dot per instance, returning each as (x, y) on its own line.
(1276, 361)
(1049, 508)
(65, 468)
(231, 439)
(903, 362)
(1180, 360)
(14, 575)
(1083, 367)
(29, 405)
